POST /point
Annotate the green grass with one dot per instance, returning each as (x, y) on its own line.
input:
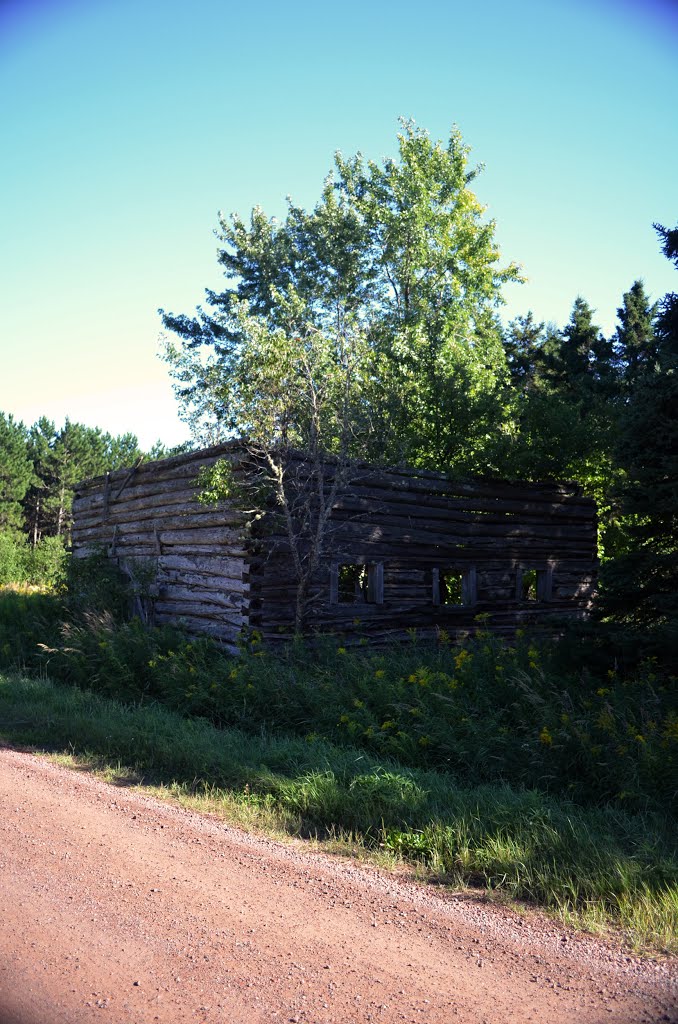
(486, 712)
(600, 867)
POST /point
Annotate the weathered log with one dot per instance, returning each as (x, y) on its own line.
(175, 467)
(200, 610)
(174, 492)
(206, 565)
(209, 584)
(228, 599)
(143, 532)
(371, 502)
(177, 517)
(197, 625)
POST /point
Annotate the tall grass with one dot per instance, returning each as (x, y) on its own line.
(593, 865)
(486, 712)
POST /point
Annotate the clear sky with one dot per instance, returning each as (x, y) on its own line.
(127, 124)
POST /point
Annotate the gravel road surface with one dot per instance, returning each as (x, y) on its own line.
(120, 909)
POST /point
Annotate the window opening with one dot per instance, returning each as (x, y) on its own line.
(528, 585)
(358, 583)
(534, 584)
(454, 587)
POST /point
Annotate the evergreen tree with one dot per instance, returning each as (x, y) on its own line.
(642, 585)
(578, 362)
(523, 343)
(634, 340)
(61, 458)
(15, 472)
(39, 446)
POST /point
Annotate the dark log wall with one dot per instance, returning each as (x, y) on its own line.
(416, 524)
(408, 528)
(190, 560)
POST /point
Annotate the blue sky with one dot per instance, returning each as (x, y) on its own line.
(127, 124)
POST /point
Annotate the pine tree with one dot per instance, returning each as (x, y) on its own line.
(15, 472)
(642, 585)
(634, 341)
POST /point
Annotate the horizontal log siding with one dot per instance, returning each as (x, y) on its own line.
(216, 577)
(199, 553)
(415, 523)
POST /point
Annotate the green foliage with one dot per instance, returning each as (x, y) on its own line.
(13, 559)
(61, 458)
(97, 587)
(44, 565)
(483, 711)
(27, 619)
(376, 308)
(568, 395)
(15, 472)
(48, 564)
(641, 586)
(634, 340)
(217, 483)
(39, 468)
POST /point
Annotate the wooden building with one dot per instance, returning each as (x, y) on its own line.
(406, 550)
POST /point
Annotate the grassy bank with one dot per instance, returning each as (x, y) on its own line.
(485, 712)
(595, 865)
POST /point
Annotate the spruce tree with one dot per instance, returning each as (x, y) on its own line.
(634, 341)
(642, 585)
(15, 472)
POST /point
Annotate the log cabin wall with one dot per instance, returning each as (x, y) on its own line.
(434, 554)
(406, 550)
(189, 561)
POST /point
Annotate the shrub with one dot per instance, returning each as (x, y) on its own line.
(484, 712)
(47, 564)
(14, 552)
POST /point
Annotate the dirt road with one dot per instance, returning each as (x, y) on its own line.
(119, 909)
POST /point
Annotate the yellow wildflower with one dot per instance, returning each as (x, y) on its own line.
(461, 658)
(545, 737)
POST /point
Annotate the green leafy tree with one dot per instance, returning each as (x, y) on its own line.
(294, 392)
(564, 415)
(364, 328)
(434, 281)
(578, 362)
(398, 255)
